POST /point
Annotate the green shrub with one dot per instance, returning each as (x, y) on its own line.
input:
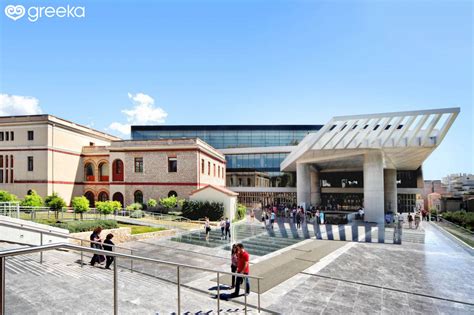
(462, 218)
(196, 210)
(137, 214)
(5, 196)
(80, 204)
(55, 203)
(89, 225)
(107, 207)
(152, 203)
(240, 212)
(134, 206)
(32, 200)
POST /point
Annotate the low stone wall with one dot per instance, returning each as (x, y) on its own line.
(157, 234)
(122, 235)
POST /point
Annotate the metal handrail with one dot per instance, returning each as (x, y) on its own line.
(42, 248)
(50, 232)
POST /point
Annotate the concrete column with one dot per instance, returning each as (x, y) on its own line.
(373, 187)
(390, 190)
(315, 188)
(303, 184)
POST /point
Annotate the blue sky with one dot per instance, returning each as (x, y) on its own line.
(244, 62)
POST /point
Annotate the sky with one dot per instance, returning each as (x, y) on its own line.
(112, 64)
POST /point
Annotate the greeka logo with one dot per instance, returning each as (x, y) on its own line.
(16, 12)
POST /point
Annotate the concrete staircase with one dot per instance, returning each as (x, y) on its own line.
(61, 286)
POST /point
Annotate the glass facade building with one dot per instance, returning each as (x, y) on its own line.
(230, 136)
(240, 136)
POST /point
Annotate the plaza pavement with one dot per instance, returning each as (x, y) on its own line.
(434, 277)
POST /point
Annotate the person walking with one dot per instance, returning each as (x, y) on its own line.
(410, 220)
(243, 267)
(252, 215)
(234, 257)
(318, 219)
(227, 228)
(298, 219)
(272, 219)
(95, 243)
(207, 227)
(222, 225)
(321, 217)
(417, 220)
(109, 245)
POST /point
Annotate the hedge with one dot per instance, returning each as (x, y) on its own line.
(195, 210)
(462, 218)
(84, 226)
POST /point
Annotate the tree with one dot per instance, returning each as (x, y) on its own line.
(107, 207)
(5, 196)
(55, 203)
(80, 205)
(32, 200)
(169, 202)
(152, 203)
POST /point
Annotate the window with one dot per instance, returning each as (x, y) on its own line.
(139, 165)
(7, 136)
(2, 135)
(208, 168)
(31, 135)
(1, 161)
(172, 165)
(6, 176)
(219, 171)
(11, 161)
(138, 197)
(11, 176)
(1, 176)
(214, 171)
(172, 193)
(6, 161)
(12, 136)
(202, 166)
(30, 164)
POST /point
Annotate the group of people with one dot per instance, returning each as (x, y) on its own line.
(224, 225)
(225, 228)
(240, 263)
(97, 243)
(416, 218)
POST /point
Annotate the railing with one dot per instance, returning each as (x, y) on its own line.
(41, 248)
(179, 267)
(42, 232)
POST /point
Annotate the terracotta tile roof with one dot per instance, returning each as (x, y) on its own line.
(221, 189)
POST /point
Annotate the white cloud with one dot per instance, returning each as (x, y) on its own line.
(18, 105)
(122, 128)
(143, 112)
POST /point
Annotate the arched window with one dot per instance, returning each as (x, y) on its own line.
(172, 193)
(90, 196)
(118, 197)
(138, 196)
(89, 172)
(117, 171)
(104, 172)
(103, 196)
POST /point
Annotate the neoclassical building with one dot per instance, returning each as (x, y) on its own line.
(50, 154)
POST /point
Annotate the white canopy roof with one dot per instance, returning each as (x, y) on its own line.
(405, 138)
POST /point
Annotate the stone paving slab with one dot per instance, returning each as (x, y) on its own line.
(287, 264)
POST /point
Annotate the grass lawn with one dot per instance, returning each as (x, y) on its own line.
(139, 229)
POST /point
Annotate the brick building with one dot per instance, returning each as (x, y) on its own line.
(50, 154)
